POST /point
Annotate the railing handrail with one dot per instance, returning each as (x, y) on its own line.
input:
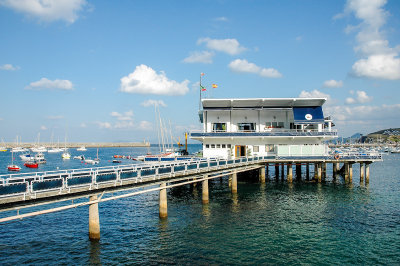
(266, 130)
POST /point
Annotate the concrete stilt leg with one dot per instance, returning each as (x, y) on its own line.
(267, 171)
(298, 171)
(350, 173)
(234, 183)
(262, 174)
(323, 171)
(315, 171)
(94, 221)
(277, 171)
(163, 208)
(362, 172)
(366, 173)
(307, 171)
(289, 173)
(319, 176)
(346, 172)
(205, 198)
(282, 171)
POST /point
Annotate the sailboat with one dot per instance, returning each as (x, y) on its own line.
(66, 155)
(12, 166)
(54, 149)
(93, 161)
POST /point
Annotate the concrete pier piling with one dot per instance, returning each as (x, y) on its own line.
(94, 220)
(298, 171)
(315, 171)
(367, 173)
(289, 173)
(307, 171)
(319, 174)
(163, 207)
(282, 171)
(350, 172)
(234, 183)
(205, 199)
(262, 174)
(267, 170)
(277, 171)
(362, 172)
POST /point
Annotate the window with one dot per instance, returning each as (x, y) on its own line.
(218, 146)
(229, 146)
(207, 146)
(274, 124)
(223, 146)
(212, 146)
(269, 148)
(219, 126)
(246, 126)
(256, 149)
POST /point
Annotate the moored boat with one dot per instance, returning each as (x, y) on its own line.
(13, 167)
(31, 164)
(82, 148)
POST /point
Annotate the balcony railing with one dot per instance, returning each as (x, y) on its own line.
(278, 132)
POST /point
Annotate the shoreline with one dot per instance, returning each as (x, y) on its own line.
(79, 144)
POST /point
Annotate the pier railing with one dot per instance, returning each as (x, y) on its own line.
(268, 132)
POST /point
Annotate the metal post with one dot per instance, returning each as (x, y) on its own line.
(163, 207)
(94, 221)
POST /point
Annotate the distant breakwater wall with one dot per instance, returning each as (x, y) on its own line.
(86, 144)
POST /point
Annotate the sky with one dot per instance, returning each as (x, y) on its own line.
(93, 71)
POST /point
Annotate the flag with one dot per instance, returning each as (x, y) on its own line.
(202, 88)
(215, 86)
(202, 74)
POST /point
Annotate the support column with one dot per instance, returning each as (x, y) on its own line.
(367, 173)
(334, 170)
(307, 171)
(277, 171)
(289, 173)
(282, 171)
(362, 172)
(204, 197)
(262, 174)
(234, 183)
(350, 173)
(346, 172)
(323, 170)
(298, 171)
(315, 171)
(94, 221)
(163, 208)
(267, 171)
(319, 176)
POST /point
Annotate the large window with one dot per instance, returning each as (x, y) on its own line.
(274, 125)
(269, 148)
(247, 126)
(219, 127)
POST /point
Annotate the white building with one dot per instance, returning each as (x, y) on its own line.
(264, 127)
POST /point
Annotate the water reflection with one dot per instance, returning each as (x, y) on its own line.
(95, 252)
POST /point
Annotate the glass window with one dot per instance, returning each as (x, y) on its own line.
(212, 146)
(223, 146)
(229, 146)
(218, 146)
(269, 148)
(256, 148)
(207, 146)
(246, 126)
(219, 126)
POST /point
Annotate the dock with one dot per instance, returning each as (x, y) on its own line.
(97, 185)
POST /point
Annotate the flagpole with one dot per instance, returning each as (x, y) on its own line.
(200, 92)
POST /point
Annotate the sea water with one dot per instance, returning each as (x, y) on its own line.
(271, 223)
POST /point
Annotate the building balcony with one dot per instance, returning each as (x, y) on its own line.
(266, 133)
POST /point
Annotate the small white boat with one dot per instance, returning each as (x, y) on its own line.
(79, 157)
(66, 155)
(39, 149)
(39, 158)
(82, 148)
(12, 166)
(54, 150)
(26, 157)
(91, 161)
(19, 149)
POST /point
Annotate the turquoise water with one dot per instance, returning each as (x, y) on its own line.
(273, 223)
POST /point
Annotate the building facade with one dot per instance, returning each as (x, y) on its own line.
(263, 127)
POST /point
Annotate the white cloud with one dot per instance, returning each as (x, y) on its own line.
(43, 128)
(350, 100)
(243, 66)
(145, 80)
(106, 125)
(361, 97)
(332, 84)
(229, 46)
(224, 19)
(127, 116)
(9, 67)
(153, 103)
(47, 10)
(205, 57)
(145, 125)
(378, 60)
(83, 125)
(123, 124)
(45, 83)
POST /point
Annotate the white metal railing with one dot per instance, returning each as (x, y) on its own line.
(277, 130)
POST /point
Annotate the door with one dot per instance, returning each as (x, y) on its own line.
(240, 151)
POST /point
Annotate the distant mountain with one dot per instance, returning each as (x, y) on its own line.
(387, 132)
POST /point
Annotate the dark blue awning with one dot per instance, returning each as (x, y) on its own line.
(308, 115)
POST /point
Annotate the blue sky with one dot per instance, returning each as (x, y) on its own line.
(94, 69)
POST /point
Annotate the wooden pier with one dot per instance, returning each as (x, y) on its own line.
(23, 191)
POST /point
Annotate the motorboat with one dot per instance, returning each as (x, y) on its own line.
(19, 149)
(54, 150)
(26, 157)
(91, 161)
(66, 155)
(31, 164)
(82, 148)
(39, 158)
(79, 157)
(39, 149)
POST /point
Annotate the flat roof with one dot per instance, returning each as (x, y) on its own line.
(262, 102)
